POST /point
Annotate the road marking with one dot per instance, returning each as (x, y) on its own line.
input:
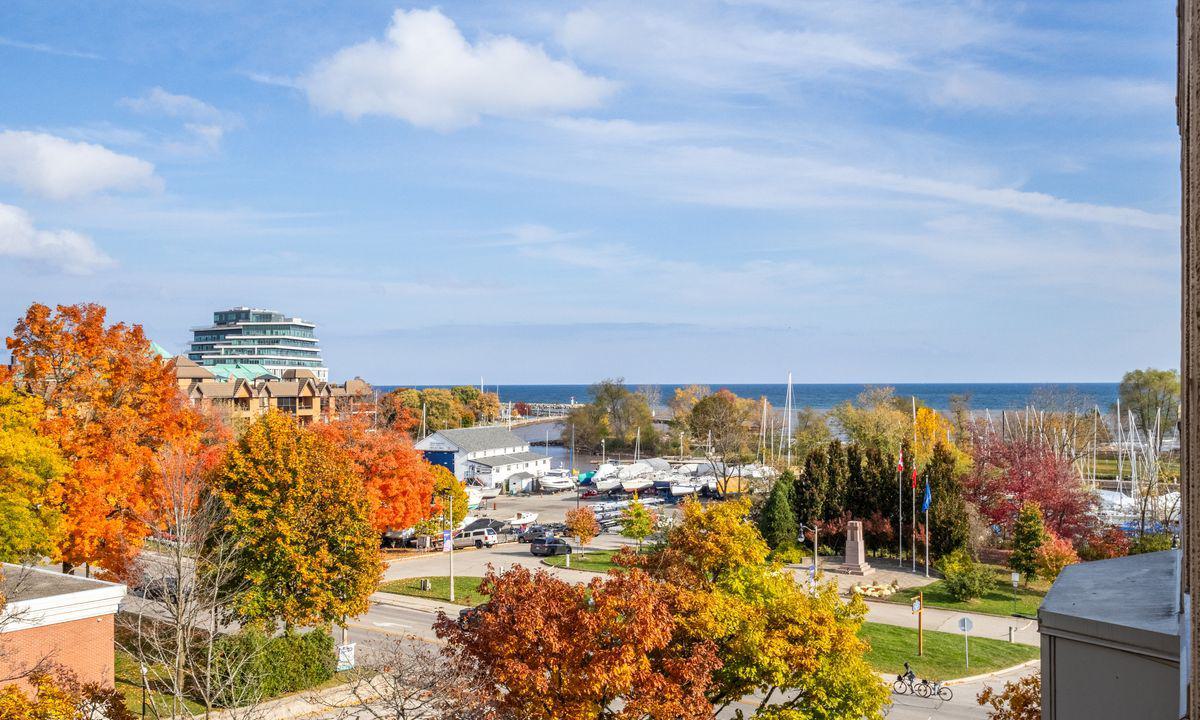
(391, 624)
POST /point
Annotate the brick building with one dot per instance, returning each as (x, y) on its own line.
(56, 618)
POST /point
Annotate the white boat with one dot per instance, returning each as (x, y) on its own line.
(634, 470)
(637, 483)
(559, 479)
(605, 470)
(685, 487)
(607, 484)
(522, 519)
(487, 493)
(474, 498)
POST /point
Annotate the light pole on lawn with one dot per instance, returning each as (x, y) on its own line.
(803, 529)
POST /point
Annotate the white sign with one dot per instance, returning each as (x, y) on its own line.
(916, 606)
(345, 657)
(965, 624)
(447, 541)
(1016, 578)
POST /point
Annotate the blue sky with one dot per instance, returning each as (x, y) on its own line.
(853, 190)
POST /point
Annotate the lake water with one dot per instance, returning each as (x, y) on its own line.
(983, 396)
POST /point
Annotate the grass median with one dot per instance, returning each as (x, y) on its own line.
(1000, 600)
(600, 561)
(892, 645)
(466, 588)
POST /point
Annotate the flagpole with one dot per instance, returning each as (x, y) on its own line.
(927, 504)
(914, 488)
(900, 508)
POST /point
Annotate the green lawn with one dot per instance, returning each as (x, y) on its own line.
(891, 646)
(594, 561)
(466, 588)
(999, 601)
(128, 681)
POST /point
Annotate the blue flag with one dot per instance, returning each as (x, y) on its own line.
(927, 500)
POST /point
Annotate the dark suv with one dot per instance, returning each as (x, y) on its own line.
(535, 533)
(550, 546)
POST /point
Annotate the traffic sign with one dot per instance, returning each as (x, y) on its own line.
(916, 606)
(965, 624)
(1016, 578)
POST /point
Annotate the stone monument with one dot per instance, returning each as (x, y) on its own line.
(856, 551)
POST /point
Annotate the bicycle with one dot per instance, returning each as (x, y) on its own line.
(905, 683)
(925, 688)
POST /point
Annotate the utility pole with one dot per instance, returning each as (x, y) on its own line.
(450, 541)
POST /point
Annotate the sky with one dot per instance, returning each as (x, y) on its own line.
(555, 192)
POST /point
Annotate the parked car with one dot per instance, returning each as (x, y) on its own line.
(480, 537)
(468, 615)
(550, 546)
(535, 532)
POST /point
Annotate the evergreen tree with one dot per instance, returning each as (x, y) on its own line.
(948, 521)
(859, 503)
(1029, 532)
(809, 502)
(837, 477)
(777, 522)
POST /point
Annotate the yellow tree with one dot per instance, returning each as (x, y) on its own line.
(31, 470)
(772, 635)
(295, 505)
(448, 493)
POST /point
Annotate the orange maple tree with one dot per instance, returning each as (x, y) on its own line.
(110, 404)
(552, 650)
(398, 480)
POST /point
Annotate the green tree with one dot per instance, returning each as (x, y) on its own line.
(637, 521)
(292, 501)
(31, 468)
(812, 487)
(1148, 394)
(837, 478)
(874, 420)
(949, 523)
(811, 431)
(777, 521)
(1029, 534)
(799, 647)
(616, 415)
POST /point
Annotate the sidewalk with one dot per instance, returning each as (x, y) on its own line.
(986, 626)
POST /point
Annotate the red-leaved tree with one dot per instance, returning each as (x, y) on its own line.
(550, 650)
(397, 479)
(1009, 472)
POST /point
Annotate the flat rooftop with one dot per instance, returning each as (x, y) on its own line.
(1132, 601)
(20, 583)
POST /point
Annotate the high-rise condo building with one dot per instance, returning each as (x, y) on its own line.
(252, 336)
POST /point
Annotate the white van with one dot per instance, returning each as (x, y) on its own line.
(481, 537)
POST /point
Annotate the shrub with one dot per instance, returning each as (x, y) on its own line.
(274, 666)
(1105, 544)
(1151, 542)
(1054, 555)
(1019, 700)
(964, 578)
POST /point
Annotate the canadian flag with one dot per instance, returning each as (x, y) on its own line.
(900, 465)
(914, 479)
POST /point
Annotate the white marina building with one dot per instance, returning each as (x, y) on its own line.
(491, 456)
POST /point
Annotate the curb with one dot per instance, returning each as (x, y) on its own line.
(984, 676)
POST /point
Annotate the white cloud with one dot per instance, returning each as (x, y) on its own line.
(205, 123)
(427, 73)
(59, 169)
(62, 250)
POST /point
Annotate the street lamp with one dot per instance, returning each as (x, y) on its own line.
(803, 529)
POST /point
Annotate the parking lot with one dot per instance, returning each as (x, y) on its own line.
(471, 561)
